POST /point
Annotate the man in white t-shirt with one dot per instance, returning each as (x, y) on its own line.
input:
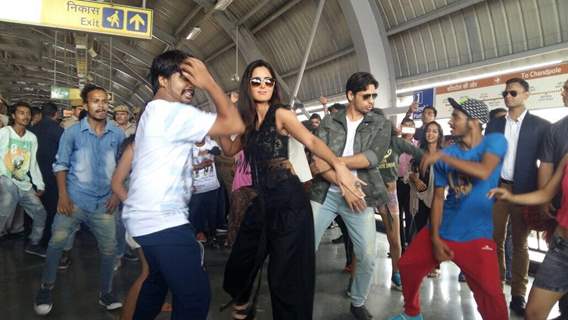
(361, 138)
(205, 212)
(156, 210)
(18, 162)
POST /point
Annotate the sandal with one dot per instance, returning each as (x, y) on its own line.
(243, 312)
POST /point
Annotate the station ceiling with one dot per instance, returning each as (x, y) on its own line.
(425, 36)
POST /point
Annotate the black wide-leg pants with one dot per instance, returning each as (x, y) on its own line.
(278, 224)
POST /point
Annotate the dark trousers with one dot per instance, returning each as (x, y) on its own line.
(421, 218)
(346, 240)
(563, 305)
(49, 201)
(207, 211)
(175, 259)
(403, 194)
(279, 223)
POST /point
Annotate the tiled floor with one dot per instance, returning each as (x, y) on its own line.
(75, 296)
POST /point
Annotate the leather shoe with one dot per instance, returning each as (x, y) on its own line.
(518, 305)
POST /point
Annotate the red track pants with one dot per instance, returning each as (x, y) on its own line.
(478, 261)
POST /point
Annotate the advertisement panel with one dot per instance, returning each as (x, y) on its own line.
(545, 86)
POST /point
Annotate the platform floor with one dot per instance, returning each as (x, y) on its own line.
(75, 296)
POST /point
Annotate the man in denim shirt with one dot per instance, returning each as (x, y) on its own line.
(83, 167)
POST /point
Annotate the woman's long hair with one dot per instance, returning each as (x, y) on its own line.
(439, 142)
(246, 104)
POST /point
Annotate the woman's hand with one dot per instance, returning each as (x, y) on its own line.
(347, 182)
(429, 159)
(500, 194)
(420, 186)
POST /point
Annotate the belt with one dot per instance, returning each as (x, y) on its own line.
(504, 181)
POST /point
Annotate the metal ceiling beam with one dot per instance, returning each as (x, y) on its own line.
(163, 36)
(28, 85)
(432, 15)
(136, 53)
(308, 49)
(534, 56)
(252, 11)
(47, 77)
(186, 21)
(285, 8)
(319, 62)
(373, 50)
(248, 47)
(20, 50)
(22, 76)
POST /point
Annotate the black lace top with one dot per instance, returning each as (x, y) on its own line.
(264, 147)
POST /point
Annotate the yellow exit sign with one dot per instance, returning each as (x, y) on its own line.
(98, 17)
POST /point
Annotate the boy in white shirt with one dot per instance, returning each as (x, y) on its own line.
(206, 210)
(156, 210)
(18, 148)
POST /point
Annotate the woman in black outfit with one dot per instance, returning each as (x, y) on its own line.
(432, 141)
(279, 222)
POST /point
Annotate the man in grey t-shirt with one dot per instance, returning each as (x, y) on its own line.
(553, 149)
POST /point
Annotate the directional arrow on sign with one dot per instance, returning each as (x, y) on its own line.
(137, 21)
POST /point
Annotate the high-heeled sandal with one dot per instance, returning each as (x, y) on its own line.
(246, 313)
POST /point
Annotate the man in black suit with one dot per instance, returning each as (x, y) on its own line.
(525, 134)
(48, 132)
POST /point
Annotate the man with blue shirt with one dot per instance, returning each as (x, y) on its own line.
(83, 168)
(461, 227)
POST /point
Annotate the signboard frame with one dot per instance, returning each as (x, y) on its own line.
(64, 14)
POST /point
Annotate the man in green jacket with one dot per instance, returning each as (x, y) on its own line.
(360, 137)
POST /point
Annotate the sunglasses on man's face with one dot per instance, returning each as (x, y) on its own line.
(513, 93)
(368, 96)
(258, 81)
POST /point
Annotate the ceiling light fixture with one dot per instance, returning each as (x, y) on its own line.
(222, 4)
(193, 33)
(92, 52)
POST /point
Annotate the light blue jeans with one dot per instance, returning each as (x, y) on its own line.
(103, 227)
(361, 228)
(11, 196)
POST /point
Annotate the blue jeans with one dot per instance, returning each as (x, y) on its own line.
(120, 233)
(175, 259)
(361, 228)
(11, 196)
(103, 227)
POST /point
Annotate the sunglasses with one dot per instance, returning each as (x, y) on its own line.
(513, 93)
(257, 82)
(368, 96)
